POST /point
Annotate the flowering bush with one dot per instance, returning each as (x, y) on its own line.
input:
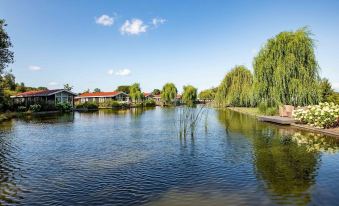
(324, 115)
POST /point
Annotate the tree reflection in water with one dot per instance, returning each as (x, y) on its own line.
(284, 158)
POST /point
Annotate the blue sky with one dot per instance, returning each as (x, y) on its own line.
(104, 44)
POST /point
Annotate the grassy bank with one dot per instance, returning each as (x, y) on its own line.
(246, 110)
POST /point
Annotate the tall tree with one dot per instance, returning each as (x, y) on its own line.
(123, 88)
(236, 88)
(135, 93)
(169, 93)
(189, 95)
(68, 87)
(6, 58)
(286, 70)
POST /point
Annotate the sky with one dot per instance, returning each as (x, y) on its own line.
(107, 43)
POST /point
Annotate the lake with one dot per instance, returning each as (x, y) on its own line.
(136, 157)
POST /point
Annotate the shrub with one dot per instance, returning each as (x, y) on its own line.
(115, 104)
(64, 106)
(22, 109)
(86, 105)
(324, 115)
(35, 107)
(149, 103)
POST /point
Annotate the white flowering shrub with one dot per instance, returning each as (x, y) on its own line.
(324, 115)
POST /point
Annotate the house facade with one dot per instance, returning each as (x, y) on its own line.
(51, 97)
(101, 97)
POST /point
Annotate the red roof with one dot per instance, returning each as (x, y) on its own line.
(147, 94)
(38, 93)
(100, 94)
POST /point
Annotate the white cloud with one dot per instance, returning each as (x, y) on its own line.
(53, 83)
(110, 72)
(105, 20)
(123, 72)
(158, 21)
(133, 27)
(34, 68)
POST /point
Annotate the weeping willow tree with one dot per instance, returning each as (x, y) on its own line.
(169, 93)
(236, 88)
(189, 95)
(286, 70)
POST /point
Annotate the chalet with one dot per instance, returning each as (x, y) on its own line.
(54, 97)
(148, 96)
(100, 97)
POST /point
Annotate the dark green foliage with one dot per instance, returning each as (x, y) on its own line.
(236, 88)
(156, 92)
(286, 70)
(97, 90)
(189, 95)
(123, 88)
(6, 58)
(64, 106)
(87, 105)
(149, 103)
(326, 90)
(169, 93)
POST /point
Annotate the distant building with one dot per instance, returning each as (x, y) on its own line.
(158, 100)
(100, 97)
(54, 97)
(148, 96)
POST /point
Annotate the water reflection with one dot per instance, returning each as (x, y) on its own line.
(134, 157)
(286, 159)
(48, 118)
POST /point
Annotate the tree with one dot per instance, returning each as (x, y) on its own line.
(21, 87)
(86, 91)
(169, 93)
(326, 90)
(97, 90)
(207, 94)
(42, 88)
(286, 70)
(6, 58)
(8, 81)
(156, 92)
(236, 88)
(135, 93)
(68, 87)
(123, 88)
(189, 95)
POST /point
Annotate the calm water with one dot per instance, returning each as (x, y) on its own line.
(136, 158)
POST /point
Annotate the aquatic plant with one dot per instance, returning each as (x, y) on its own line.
(188, 119)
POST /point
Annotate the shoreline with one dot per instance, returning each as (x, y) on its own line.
(333, 132)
